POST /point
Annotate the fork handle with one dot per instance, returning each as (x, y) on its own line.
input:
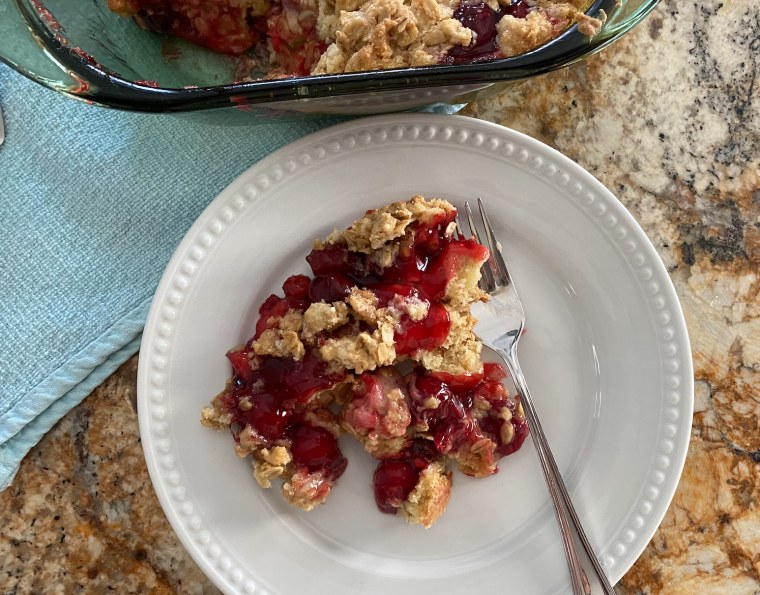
(586, 574)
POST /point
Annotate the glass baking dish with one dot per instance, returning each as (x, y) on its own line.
(80, 48)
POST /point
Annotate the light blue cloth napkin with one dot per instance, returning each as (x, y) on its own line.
(92, 204)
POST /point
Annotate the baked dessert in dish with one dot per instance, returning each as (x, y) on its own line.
(378, 344)
(301, 37)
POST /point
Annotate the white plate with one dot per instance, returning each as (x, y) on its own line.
(606, 355)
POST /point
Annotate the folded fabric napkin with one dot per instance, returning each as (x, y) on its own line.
(92, 204)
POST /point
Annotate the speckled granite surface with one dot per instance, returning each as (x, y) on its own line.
(669, 120)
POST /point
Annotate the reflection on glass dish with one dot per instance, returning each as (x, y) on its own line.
(81, 48)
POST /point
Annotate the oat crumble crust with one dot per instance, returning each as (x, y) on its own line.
(306, 490)
(460, 353)
(323, 317)
(388, 34)
(430, 497)
(379, 227)
(355, 336)
(363, 351)
(270, 464)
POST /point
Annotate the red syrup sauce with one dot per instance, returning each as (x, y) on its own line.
(267, 396)
(316, 448)
(396, 477)
(452, 423)
(482, 19)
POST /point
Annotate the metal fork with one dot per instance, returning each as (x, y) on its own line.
(500, 324)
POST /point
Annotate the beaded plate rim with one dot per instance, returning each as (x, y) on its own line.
(522, 151)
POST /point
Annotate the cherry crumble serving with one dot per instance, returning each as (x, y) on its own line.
(379, 344)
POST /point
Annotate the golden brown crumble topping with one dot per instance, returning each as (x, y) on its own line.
(565, 13)
(215, 417)
(270, 464)
(323, 317)
(279, 343)
(412, 306)
(363, 304)
(388, 34)
(363, 351)
(517, 36)
(430, 497)
(306, 490)
(460, 353)
(379, 34)
(379, 227)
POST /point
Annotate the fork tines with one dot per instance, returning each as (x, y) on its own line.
(494, 271)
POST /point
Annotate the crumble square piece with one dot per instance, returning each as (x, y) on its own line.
(378, 344)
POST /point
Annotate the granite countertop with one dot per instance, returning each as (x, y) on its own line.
(668, 119)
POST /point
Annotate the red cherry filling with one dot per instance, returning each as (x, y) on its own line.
(492, 424)
(317, 449)
(431, 272)
(274, 307)
(267, 415)
(453, 422)
(430, 237)
(459, 382)
(517, 9)
(482, 19)
(395, 478)
(448, 262)
(450, 422)
(393, 481)
(427, 333)
(297, 380)
(265, 398)
(521, 433)
(333, 287)
(296, 289)
(332, 258)
(223, 26)
(241, 365)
